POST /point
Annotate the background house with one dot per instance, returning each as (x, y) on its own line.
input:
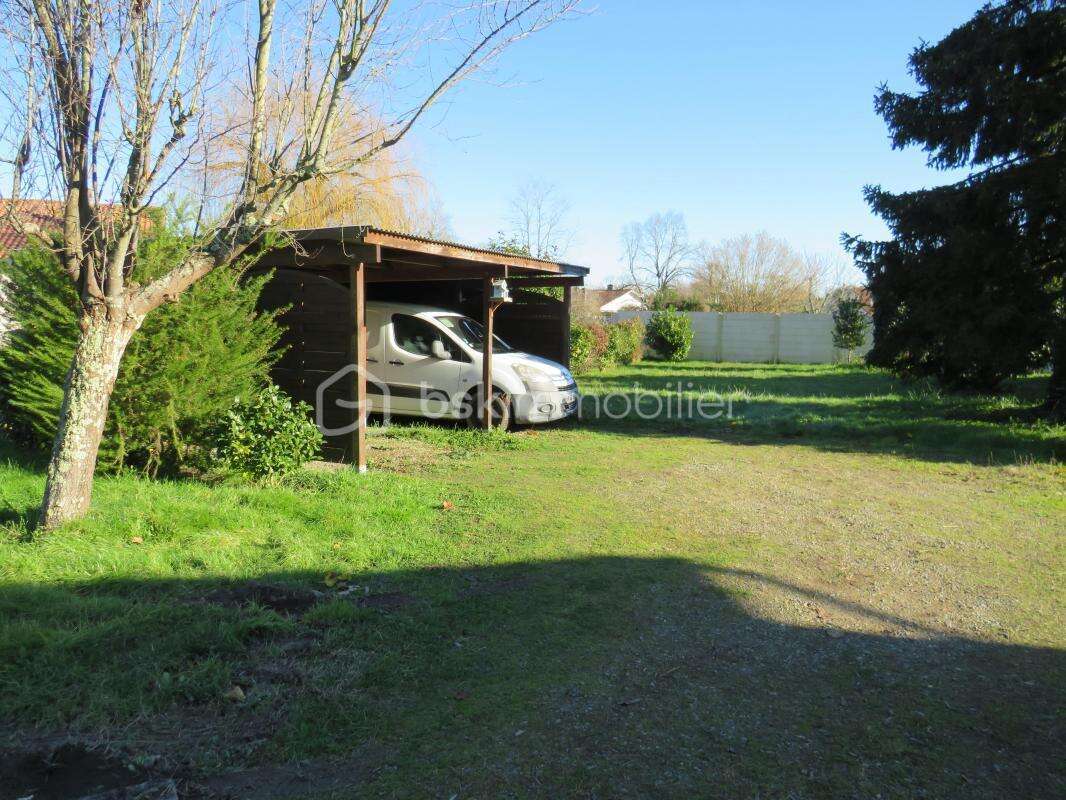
(596, 302)
(39, 215)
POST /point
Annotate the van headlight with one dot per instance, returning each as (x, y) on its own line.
(536, 380)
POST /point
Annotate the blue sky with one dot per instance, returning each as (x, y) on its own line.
(742, 116)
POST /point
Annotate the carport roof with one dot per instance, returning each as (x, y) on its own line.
(347, 244)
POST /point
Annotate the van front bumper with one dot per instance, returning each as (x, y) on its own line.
(538, 407)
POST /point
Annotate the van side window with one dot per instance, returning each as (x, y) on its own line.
(416, 335)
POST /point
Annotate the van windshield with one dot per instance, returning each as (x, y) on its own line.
(472, 333)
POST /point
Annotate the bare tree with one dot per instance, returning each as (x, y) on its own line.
(115, 92)
(537, 220)
(657, 252)
(760, 273)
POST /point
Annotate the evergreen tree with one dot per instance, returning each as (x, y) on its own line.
(182, 369)
(849, 325)
(970, 287)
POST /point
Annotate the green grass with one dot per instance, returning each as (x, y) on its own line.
(852, 588)
(838, 407)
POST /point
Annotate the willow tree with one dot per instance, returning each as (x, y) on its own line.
(117, 100)
(387, 191)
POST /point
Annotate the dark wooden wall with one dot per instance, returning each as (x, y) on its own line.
(537, 324)
(317, 334)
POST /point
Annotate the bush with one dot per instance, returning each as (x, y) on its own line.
(179, 375)
(625, 341)
(669, 333)
(588, 346)
(266, 435)
(672, 298)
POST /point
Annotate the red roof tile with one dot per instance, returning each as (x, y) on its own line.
(44, 214)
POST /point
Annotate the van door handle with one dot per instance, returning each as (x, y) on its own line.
(396, 363)
(371, 361)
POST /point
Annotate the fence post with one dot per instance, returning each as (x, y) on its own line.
(777, 338)
(720, 344)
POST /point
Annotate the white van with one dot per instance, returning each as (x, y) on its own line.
(426, 362)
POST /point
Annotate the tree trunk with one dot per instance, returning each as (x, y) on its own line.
(1055, 405)
(105, 332)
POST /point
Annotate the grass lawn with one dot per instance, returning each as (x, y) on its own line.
(846, 587)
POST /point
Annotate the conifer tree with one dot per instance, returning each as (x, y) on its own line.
(970, 287)
(182, 370)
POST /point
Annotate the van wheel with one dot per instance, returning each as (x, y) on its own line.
(500, 406)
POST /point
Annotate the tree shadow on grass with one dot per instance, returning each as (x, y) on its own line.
(13, 513)
(593, 677)
(768, 379)
(793, 380)
(22, 457)
(807, 411)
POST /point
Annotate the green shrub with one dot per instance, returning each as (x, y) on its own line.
(669, 333)
(625, 341)
(179, 375)
(581, 344)
(672, 298)
(266, 435)
(588, 346)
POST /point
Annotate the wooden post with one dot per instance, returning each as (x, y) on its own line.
(566, 327)
(357, 295)
(488, 310)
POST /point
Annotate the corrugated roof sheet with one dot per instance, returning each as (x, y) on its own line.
(444, 243)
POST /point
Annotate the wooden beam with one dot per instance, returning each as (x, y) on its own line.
(357, 295)
(553, 280)
(565, 322)
(390, 273)
(451, 251)
(486, 355)
(311, 254)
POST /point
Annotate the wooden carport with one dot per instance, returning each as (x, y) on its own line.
(311, 264)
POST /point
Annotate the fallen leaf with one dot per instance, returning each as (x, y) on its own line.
(332, 579)
(336, 545)
(136, 540)
(234, 694)
(447, 505)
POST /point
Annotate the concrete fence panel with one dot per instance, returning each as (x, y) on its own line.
(807, 339)
(756, 337)
(749, 337)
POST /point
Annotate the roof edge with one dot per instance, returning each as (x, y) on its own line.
(359, 234)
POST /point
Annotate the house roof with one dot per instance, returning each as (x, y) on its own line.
(601, 297)
(44, 214)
